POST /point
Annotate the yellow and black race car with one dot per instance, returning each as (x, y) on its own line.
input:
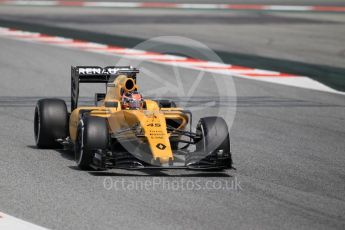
(123, 130)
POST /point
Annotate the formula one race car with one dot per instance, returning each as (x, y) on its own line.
(123, 130)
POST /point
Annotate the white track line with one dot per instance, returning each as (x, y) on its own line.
(8, 222)
(288, 8)
(31, 3)
(172, 60)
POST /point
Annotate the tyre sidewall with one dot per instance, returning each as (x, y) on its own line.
(92, 134)
(215, 135)
(50, 122)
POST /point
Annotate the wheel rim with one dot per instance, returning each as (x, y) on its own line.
(80, 144)
(77, 148)
(37, 125)
(200, 129)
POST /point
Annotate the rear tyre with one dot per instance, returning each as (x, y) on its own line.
(92, 134)
(215, 142)
(50, 122)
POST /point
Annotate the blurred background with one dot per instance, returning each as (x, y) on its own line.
(282, 35)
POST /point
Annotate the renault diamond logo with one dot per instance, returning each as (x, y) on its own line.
(160, 146)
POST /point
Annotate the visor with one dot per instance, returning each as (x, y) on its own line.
(135, 104)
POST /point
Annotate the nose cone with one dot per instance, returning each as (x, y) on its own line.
(158, 137)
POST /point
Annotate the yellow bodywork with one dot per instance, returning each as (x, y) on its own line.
(151, 119)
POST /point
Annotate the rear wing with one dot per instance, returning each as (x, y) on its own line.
(96, 74)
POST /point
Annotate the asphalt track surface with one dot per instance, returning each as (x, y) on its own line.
(288, 147)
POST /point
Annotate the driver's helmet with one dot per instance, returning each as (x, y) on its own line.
(132, 100)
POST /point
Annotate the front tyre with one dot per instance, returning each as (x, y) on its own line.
(50, 122)
(92, 134)
(213, 149)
